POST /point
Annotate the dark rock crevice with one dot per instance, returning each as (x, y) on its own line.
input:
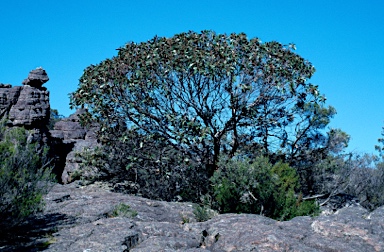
(70, 138)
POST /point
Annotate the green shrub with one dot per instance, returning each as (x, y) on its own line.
(24, 176)
(242, 186)
(122, 210)
(287, 204)
(256, 186)
(203, 213)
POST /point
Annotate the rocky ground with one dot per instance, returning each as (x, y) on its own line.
(83, 219)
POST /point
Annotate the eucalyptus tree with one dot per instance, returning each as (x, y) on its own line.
(206, 94)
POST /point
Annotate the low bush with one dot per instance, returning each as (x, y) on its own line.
(203, 213)
(256, 186)
(24, 176)
(360, 176)
(122, 210)
(365, 181)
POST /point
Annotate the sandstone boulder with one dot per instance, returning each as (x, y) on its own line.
(26, 106)
(36, 78)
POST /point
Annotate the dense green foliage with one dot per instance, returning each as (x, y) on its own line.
(24, 176)
(257, 186)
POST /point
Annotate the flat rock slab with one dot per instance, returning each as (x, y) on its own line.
(112, 234)
(79, 219)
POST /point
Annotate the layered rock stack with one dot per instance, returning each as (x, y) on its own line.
(28, 105)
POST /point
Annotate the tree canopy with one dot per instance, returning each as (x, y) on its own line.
(208, 94)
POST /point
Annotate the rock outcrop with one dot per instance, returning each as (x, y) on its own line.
(79, 219)
(71, 138)
(26, 105)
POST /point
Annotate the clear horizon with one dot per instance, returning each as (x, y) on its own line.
(343, 40)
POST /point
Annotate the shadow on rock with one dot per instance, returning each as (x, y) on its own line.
(36, 234)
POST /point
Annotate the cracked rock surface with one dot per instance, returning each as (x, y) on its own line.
(79, 218)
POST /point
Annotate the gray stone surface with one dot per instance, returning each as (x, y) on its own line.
(8, 98)
(112, 234)
(73, 161)
(90, 205)
(69, 128)
(78, 219)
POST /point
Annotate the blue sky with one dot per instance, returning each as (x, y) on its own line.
(344, 40)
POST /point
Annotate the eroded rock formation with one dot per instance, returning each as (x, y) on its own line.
(8, 97)
(71, 138)
(27, 106)
(36, 78)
